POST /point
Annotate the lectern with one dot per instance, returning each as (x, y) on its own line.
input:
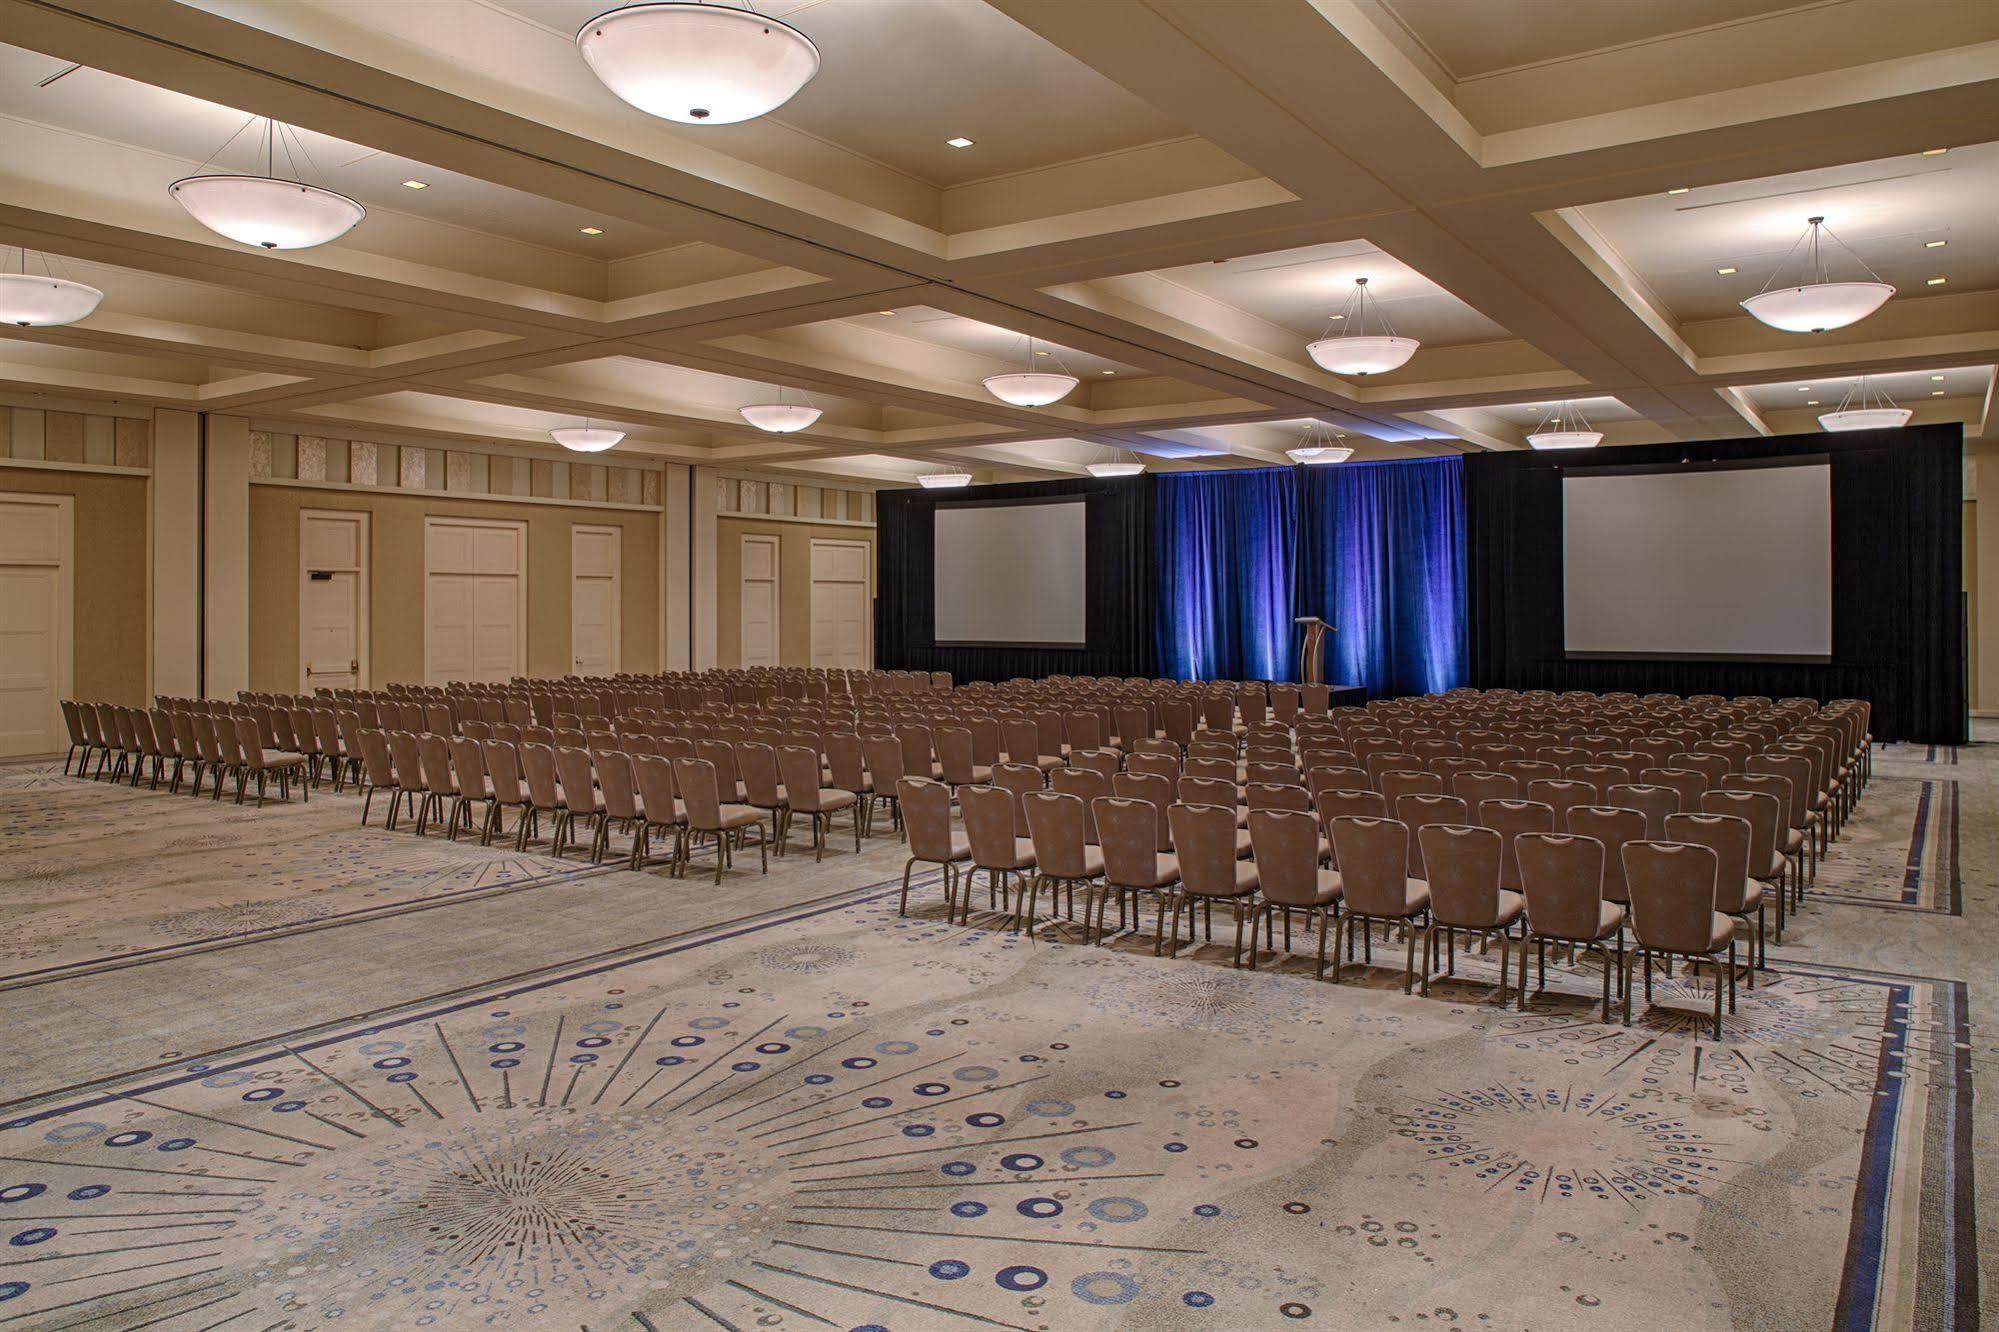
(1312, 656)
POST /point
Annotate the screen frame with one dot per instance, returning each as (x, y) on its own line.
(1683, 467)
(1011, 502)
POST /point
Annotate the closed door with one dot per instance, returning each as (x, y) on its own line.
(35, 623)
(759, 601)
(333, 600)
(475, 600)
(594, 628)
(840, 639)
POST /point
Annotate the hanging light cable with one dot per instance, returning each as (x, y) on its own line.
(1031, 387)
(1565, 428)
(1865, 407)
(1355, 351)
(270, 211)
(1817, 303)
(43, 300)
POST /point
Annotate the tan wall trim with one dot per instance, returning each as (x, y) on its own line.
(291, 483)
(101, 469)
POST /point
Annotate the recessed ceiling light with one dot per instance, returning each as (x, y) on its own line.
(1936, 393)
(1811, 402)
(1934, 245)
(1936, 379)
(416, 184)
(1936, 282)
(1935, 152)
(1724, 271)
(960, 142)
(1804, 388)
(1681, 190)
(1041, 353)
(1106, 372)
(593, 231)
(885, 312)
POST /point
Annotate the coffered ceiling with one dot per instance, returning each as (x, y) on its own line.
(1171, 197)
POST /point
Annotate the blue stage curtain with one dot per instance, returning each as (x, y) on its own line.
(1384, 564)
(1226, 545)
(1376, 549)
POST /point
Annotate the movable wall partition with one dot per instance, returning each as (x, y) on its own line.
(1897, 613)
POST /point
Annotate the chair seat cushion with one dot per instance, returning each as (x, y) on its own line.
(1165, 870)
(1023, 854)
(1794, 841)
(739, 816)
(280, 758)
(832, 798)
(1246, 882)
(1723, 931)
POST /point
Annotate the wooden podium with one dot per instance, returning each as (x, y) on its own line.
(1312, 656)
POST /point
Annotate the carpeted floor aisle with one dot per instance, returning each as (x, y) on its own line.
(271, 1070)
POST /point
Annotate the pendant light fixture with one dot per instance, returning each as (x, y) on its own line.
(699, 64)
(1117, 465)
(1865, 407)
(43, 300)
(1817, 303)
(1354, 350)
(1565, 428)
(1031, 387)
(780, 417)
(1321, 446)
(270, 211)
(944, 480)
(586, 438)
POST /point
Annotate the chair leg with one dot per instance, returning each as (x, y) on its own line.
(1409, 966)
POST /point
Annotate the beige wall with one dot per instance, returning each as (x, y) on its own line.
(110, 651)
(396, 579)
(794, 584)
(1981, 576)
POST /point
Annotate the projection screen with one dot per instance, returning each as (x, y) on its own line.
(1012, 574)
(1730, 562)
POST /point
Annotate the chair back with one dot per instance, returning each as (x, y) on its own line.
(1020, 779)
(1561, 796)
(1612, 827)
(1156, 791)
(502, 760)
(1729, 838)
(1023, 742)
(435, 758)
(1417, 812)
(926, 817)
(1475, 788)
(954, 754)
(1208, 791)
(1373, 857)
(1277, 795)
(1056, 821)
(1672, 886)
(989, 813)
(617, 784)
(468, 761)
(722, 754)
(1286, 844)
(1561, 876)
(249, 737)
(409, 761)
(756, 765)
(1690, 784)
(798, 769)
(1510, 818)
(1794, 769)
(1128, 830)
(1395, 785)
(1087, 785)
(1205, 842)
(884, 754)
(918, 759)
(538, 768)
(654, 775)
(1464, 872)
(1762, 810)
(1654, 802)
(700, 793)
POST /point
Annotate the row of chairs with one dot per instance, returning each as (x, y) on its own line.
(198, 744)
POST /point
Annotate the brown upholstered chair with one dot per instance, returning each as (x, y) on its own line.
(1611, 826)
(1373, 856)
(1204, 838)
(1129, 832)
(801, 788)
(660, 807)
(1561, 878)
(885, 774)
(1417, 812)
(1289, 879)
(1561, 796)
(1463, 865)
(992, 817)
(726, 824)
(1063, 858)
(1654, 802)
(1475, 788)
(1672, 886)
(580, 800)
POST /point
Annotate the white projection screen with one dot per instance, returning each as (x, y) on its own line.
(1732, 562)
(1012, 574)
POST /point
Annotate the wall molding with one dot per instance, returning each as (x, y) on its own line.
(52, 465)
(731, 516)
(287, 482)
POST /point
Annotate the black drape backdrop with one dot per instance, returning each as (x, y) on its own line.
(1119, 591)
(1897, 617)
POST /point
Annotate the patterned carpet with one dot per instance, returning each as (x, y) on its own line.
(819, 1114)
